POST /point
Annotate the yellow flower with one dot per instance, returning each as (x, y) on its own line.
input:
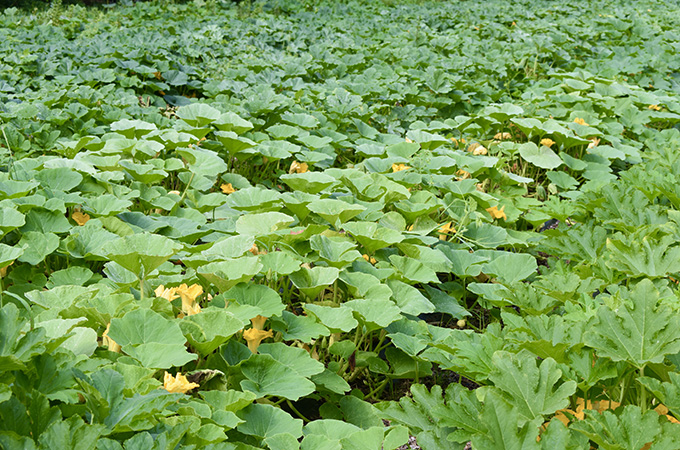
(409, 141)
(497, 213)
(370, 259)
(256, 251)
(462, 174)
(189, 295)
(228, 188)
(446, 229)
(258, 322)
(654, 107)
(177, 385)
(399, 167)
(502, 136)
(580, 121)
(253, 337)
(298, 167)
(169, 294)
(80, 217)
(3, 270)
(110, 343)
(547, 142)
(174, 192)
(594, 142)
(477, 149)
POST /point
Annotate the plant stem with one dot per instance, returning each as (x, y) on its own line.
(643, 392)
(297, 413)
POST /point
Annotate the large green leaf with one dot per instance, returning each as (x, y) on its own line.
(629, 430)
(140, 253)
(639, 330)
(150, 338)
(533, 389)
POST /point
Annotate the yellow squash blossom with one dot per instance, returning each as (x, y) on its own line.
(169, 294)
(462, 174)
(409, 141)
(80, 217)
(446, 229)
(110, 343)
(177, 385)
(497, 213)
(477, 149)
(399, 167)
(188, 295)
(298, 167)
(254, 337)
(654, 107)
(227, 188)
(547, 142)
(580, 121)
(369, 259)
(503, 136)
(258, 322)
(594, 142)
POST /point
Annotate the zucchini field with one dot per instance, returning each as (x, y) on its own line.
(340, 225)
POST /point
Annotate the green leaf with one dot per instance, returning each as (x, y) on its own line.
(334, 211)
(267, 376)
(71, 434)
(416, 413)
(265, 421)
(337, 320)
(227, 274)
(198, 114)
(668, 392)
(532, 389)
(374, 313)
(542, 156)
(37, 246)
(629, 430)
(9, 254)
(297, 359)
(310, 182)
(150, 338)
(639, 330)
(140, 253)
(504, 429)
(209, 329)
(647, 256)
(265, 299)
(372, 236)
(312, 281)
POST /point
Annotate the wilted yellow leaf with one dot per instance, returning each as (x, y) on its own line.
(298, 167)
(80, 217)
(399, 167)
(110, 343)
(227, 188)
(177, 385)
(254, 337)
(497, 213)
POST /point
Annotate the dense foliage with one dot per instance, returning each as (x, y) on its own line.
(302, 225)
